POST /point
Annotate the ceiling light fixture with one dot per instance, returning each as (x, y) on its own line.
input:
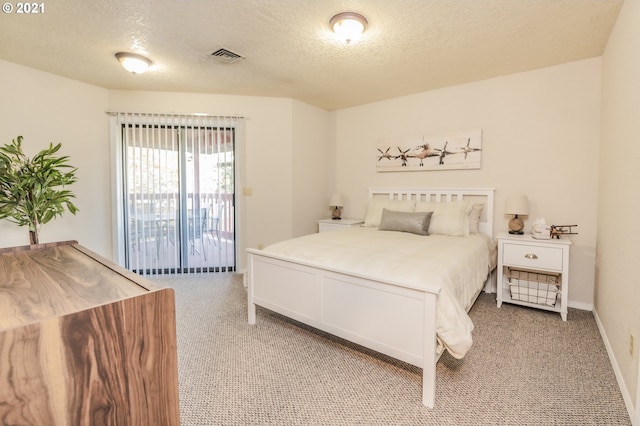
(348, 25)
(132, 62)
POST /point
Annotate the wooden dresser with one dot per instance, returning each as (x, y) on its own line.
(83, 341)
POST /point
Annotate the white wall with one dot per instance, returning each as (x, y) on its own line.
(618, 260)
(540, 131)
(267, 154)
(540, 137)
(46, 108)
(313, 153)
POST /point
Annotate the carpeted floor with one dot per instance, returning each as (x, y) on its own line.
(527, 367)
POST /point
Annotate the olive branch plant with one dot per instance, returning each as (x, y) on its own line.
(32, 190)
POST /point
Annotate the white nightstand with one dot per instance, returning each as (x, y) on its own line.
(524, 263)
(329, 225)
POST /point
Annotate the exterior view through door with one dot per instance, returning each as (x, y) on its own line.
(179, 195)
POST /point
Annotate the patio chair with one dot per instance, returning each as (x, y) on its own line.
(197, 226)
(213, 226)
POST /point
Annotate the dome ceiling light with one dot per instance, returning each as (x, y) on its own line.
(348, 25)
(132, 62)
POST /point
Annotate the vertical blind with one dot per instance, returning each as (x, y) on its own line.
(176, 192)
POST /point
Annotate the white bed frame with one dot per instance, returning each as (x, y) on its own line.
(385, 316)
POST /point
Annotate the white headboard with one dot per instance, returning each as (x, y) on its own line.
(478, 195)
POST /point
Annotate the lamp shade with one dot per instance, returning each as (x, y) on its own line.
(336, 200)
(348, 25)
(517, 204)
(132, 62)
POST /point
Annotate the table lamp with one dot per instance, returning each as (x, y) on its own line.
(517, 205)
(336, 203)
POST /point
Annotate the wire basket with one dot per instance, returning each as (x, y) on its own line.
(533, 287)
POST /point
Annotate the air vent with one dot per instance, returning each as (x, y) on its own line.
(226, 56)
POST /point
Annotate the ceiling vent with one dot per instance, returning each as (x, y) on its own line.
(227, 56)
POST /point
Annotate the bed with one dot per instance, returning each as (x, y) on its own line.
(401, 284)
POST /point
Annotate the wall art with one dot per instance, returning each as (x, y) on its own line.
(462, 150)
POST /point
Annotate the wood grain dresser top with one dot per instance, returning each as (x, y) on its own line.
(56, 279)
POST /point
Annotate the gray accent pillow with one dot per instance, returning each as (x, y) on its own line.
(415, 223)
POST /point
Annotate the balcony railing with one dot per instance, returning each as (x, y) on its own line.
(164, 239)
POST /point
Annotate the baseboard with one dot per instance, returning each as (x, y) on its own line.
(245, 277)
(626, 396)
(580, 305)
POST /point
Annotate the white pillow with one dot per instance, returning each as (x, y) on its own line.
(449, 218)
(375, 206)
(474, 218)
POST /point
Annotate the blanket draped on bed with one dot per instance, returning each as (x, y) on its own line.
(457, 265)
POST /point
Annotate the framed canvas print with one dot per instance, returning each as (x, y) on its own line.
(462, 150)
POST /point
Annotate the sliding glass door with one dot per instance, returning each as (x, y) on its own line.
(179, 197)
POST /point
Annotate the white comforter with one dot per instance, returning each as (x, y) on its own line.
(458, 265)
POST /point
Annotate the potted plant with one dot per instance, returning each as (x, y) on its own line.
(32, 190)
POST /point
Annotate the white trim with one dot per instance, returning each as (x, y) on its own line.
(635, 419)
(580, 305)
(194, 115)
(626, 396)
(239, 199)
(182, 121)
(117, 218)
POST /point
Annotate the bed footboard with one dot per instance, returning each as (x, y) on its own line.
(386, 317)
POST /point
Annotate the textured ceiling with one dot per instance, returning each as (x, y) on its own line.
(410, 45)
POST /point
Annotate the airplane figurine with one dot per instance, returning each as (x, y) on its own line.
(558, 230)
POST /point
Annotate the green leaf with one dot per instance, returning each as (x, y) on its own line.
(29, 194)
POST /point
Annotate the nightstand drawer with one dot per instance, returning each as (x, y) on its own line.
(530, 256)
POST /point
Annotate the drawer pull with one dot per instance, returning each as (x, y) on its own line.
(531, 256)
